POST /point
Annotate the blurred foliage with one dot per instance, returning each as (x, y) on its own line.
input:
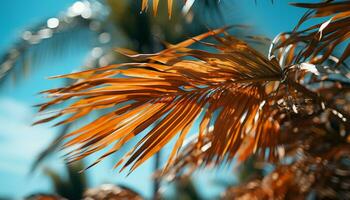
(73, 186)
(99, 26)
(186, 190)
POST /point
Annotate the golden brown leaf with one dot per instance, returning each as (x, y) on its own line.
(165, 96)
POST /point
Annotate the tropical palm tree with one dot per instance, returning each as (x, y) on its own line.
(289, 108)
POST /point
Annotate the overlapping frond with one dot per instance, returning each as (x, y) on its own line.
(165, 95)
(321, 40)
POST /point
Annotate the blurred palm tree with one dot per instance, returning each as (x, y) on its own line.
(105, 24)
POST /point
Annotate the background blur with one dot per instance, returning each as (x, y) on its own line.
(46, 38)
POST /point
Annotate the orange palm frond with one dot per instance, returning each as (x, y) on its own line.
(319, 41)
(166, 93)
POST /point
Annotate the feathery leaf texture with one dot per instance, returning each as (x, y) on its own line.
(166, 93)
(321, 40)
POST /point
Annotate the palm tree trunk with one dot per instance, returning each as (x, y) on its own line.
(156, 180)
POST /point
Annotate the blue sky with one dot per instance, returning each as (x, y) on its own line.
(20, 142)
